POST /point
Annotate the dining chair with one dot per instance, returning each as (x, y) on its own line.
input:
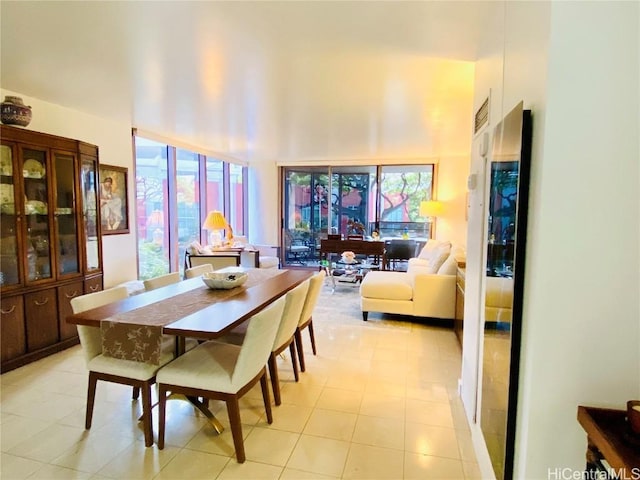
(197, 271)
(139, 375)
(294, 301)
(161, 281)
(306, 318)
(223, 371)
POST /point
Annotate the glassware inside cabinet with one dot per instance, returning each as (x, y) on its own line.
(36, 209)
(9, 273)
(89, 188)
(65, 215)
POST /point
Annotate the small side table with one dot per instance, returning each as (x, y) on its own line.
(609, 437)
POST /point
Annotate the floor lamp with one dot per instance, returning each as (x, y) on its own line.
(431, 209)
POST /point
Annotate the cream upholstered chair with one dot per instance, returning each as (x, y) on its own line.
(161, 281)
(197, 271)
(294, 301)
(223, 371)
(306, 319)
(127, 372)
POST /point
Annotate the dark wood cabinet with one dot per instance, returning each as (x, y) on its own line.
(12, 329)
(40, 309)
(65, 294)
(49, 239)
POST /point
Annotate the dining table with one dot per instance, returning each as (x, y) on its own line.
(135, 328)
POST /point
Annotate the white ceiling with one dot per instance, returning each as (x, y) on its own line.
(284, 80)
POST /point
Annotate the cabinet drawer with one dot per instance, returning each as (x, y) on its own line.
(65, 294)
(93, 284)
(41, 312)
(12, 327)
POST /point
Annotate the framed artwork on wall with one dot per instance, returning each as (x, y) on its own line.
(113, 200)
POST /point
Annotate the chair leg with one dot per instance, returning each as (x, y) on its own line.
(162, 402)
(136, 393)
(298, 337)
(265, 396)
(294, 362)
(312, 336)
(233, 410)
(91, 396)
(147, 421)
(275, 383)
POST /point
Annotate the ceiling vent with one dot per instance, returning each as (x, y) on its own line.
(482, 116)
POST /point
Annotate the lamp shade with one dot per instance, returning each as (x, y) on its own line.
(430, 208)
(214, 221)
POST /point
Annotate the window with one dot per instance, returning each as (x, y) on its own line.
(351, 200)
(236, 198)
(152, 201)
(175, 188)
(188, 200)
(402, 188)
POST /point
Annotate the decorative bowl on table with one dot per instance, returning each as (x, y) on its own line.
(224, 281)
(348, 257)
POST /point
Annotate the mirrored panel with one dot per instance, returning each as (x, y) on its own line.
(506, 235)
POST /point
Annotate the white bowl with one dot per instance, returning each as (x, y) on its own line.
(224, 281)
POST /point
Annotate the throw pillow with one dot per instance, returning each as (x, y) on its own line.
(194, 248)
(438, 251)
(449, 267)
(428, 248)
(438, 258)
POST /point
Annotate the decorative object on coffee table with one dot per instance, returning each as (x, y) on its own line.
(14, 112)
(348, 257)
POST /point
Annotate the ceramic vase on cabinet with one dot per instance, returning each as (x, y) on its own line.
(14, 112)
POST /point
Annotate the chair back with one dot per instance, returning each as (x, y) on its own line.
(161, 281)
(294, 301)
(257, 343)
(315, 286)
(197, 271)
(90, 337)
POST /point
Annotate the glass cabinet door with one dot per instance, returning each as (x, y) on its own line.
(65, 214)
(36, 210)
(9, 211)
(89, 189)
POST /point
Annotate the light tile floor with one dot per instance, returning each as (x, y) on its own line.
(379, 401)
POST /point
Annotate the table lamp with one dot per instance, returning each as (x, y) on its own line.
(215, 222)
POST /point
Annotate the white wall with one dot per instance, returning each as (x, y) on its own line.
(581, 340)
(264, 211)
(576, 66)
(452, 192)
(114, 143)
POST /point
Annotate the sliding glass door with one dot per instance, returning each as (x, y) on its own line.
(351, 200)
(306, 213)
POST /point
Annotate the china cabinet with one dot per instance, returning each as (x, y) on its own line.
(49, 240)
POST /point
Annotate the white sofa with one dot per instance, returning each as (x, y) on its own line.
(427, 289)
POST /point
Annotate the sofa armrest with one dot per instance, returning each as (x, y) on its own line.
(434, 295)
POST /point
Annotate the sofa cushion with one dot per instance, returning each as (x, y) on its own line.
(432, 248)
(428, 248)
(438, 257)
(387, 285)
(450, 266)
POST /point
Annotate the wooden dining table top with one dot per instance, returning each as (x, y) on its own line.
(212, 321)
